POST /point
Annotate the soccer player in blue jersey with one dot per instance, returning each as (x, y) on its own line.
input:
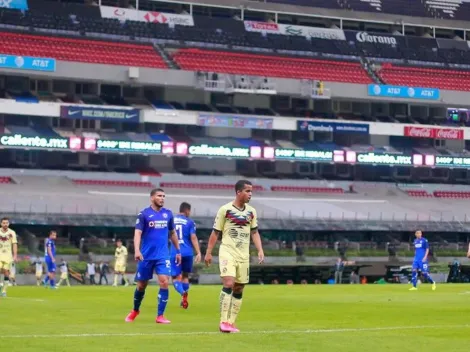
(420, 261)
(49, 258)
(152, 227)
(186, 232)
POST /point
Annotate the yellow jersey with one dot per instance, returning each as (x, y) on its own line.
(236, 226)
(121, 255)
(7, 239)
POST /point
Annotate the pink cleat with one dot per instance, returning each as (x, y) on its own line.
(162, 320)
(228, 328)
(234, 328)
(131, 316)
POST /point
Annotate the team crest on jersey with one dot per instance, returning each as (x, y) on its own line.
(239, 220)
(165, 215)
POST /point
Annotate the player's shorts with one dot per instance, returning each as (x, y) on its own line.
(50, 266)
(38, 274)
(63, 276)
(421, 266)
(146, 268)
(120, 268)
(237, 269)
(186, 265)
(5, 263)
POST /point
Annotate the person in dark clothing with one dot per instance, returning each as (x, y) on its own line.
(104, 269)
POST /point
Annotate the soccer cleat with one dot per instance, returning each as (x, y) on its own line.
(184, 301)
(162, 320)
(414, 289)
(225, 328)
(434, 286)
(3, 294)
(234, 328)
(131, 316)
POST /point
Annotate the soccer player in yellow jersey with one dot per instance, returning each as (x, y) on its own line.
(235, 223)
(121, 263)
(8, 252)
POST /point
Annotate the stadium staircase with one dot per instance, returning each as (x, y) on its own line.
(77, 276)
(368, 67)
(166, 57)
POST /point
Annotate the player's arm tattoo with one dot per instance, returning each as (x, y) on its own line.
(218, 233)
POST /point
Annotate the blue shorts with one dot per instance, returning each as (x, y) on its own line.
(421, 266)
(146, 268)
(186, 265)
(50, 266)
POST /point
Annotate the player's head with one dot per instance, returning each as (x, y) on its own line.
(157, 197)
(52, 234)
(5, 223)
(119, 243)
(243, 190)
(185, 209)
(418, 234)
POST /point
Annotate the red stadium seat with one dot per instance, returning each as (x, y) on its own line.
(425, 77)
(80, 50)
(419, 193)
(114, 183)
(452, 194)
(270, 66)
(216, 186)
(5, 179)
(307, 189)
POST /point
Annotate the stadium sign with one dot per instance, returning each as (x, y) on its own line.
(219, 151)
(452, 161)
(235, 121)
(301, 155)
(364, 37)
(14, 4)
(304, 31)
(98, 113)
(126, 146)
(384, 159)
(379, 90)
(435, 133)
(146, 16)
(327, 126)
(27, 63)
(20, 141)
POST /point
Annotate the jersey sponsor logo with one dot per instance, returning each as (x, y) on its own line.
(159, 224)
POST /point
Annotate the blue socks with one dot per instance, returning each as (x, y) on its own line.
(414, 278)
(138, 297)
(428, 277)
(52, 283)
(178, 286)
(162, 300)
(46, 280)
(185, 286)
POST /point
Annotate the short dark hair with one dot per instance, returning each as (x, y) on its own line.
(52, 231)
(156, 190)
(5, 218)
(185, 206)
(241, 184)
(118, 240)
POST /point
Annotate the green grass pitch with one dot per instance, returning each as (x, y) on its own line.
(273, 318)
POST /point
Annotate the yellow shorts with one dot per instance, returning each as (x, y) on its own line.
(120, 268)
(239, 270)
(5, 264)
(63, 276)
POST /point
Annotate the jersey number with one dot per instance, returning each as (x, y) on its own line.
(179, 233)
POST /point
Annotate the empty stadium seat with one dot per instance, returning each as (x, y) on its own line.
(113, 183)
(78, 50)
(419, 193)
(213, 186)
(4, 179)
(270, 66)
(452, 194)
(306, 189)
(425, 77)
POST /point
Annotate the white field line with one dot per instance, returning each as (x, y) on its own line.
(254, 332)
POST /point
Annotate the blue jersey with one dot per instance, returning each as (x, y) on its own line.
(50, 244)
(184, 227)
(155, 227)
(421, 245)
